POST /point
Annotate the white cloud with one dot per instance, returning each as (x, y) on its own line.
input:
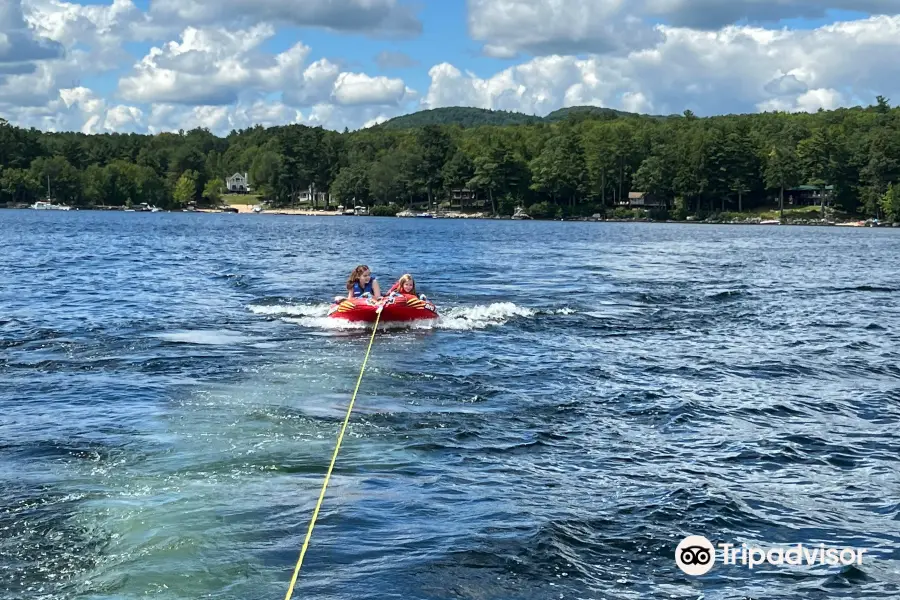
(220, 67)
(375, 17)
(20, 46)
(217, 77)
(222, 119)
(350, 117)
(88, 38)
(712, 14)
(376, 121)
(736, 69)
(556, 26)
(545, 27)
(314, 84)
(536, 87)
(79, 109)
(809, 101)
(359, 88)
(31, 89)
(206, 67)
(97, 116)
(123, 118)
(217, 72)
(101, 28)
(213, 79)
(636, 102)
(83, 98)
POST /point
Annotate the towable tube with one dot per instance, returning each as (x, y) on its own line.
(397, 307)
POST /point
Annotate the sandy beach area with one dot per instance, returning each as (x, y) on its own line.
(248, 209)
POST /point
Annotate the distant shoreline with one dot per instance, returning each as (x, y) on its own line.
(248, 210)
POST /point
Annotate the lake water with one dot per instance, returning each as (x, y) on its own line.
(171, 393)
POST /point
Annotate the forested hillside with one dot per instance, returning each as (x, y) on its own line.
(581, 164)
(463, 116)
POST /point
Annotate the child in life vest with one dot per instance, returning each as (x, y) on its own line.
(406, 285)
(361, 283)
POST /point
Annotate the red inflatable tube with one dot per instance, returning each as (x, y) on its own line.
(397, 307)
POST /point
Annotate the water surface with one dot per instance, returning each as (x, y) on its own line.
(171, 392)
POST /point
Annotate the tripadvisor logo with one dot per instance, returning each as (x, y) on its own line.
(696, 555)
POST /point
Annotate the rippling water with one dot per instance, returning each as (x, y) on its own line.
(171, 392)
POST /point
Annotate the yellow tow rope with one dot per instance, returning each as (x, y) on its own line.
(337, 447)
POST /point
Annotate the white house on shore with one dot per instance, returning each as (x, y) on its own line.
(238, 183)
(309, 196)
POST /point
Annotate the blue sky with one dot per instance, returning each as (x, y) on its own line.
(533, 56)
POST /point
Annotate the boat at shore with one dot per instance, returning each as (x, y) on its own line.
(421, 215)
(48, 203)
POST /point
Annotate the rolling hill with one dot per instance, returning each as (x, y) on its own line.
(465, 116)
(459, 115)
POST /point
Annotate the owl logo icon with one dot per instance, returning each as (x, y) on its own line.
(695, 555)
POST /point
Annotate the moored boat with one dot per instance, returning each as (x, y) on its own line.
(48, 203)
(520, 214)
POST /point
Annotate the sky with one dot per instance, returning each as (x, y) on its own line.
(149, 66)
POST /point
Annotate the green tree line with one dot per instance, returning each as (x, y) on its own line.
(580, 163)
